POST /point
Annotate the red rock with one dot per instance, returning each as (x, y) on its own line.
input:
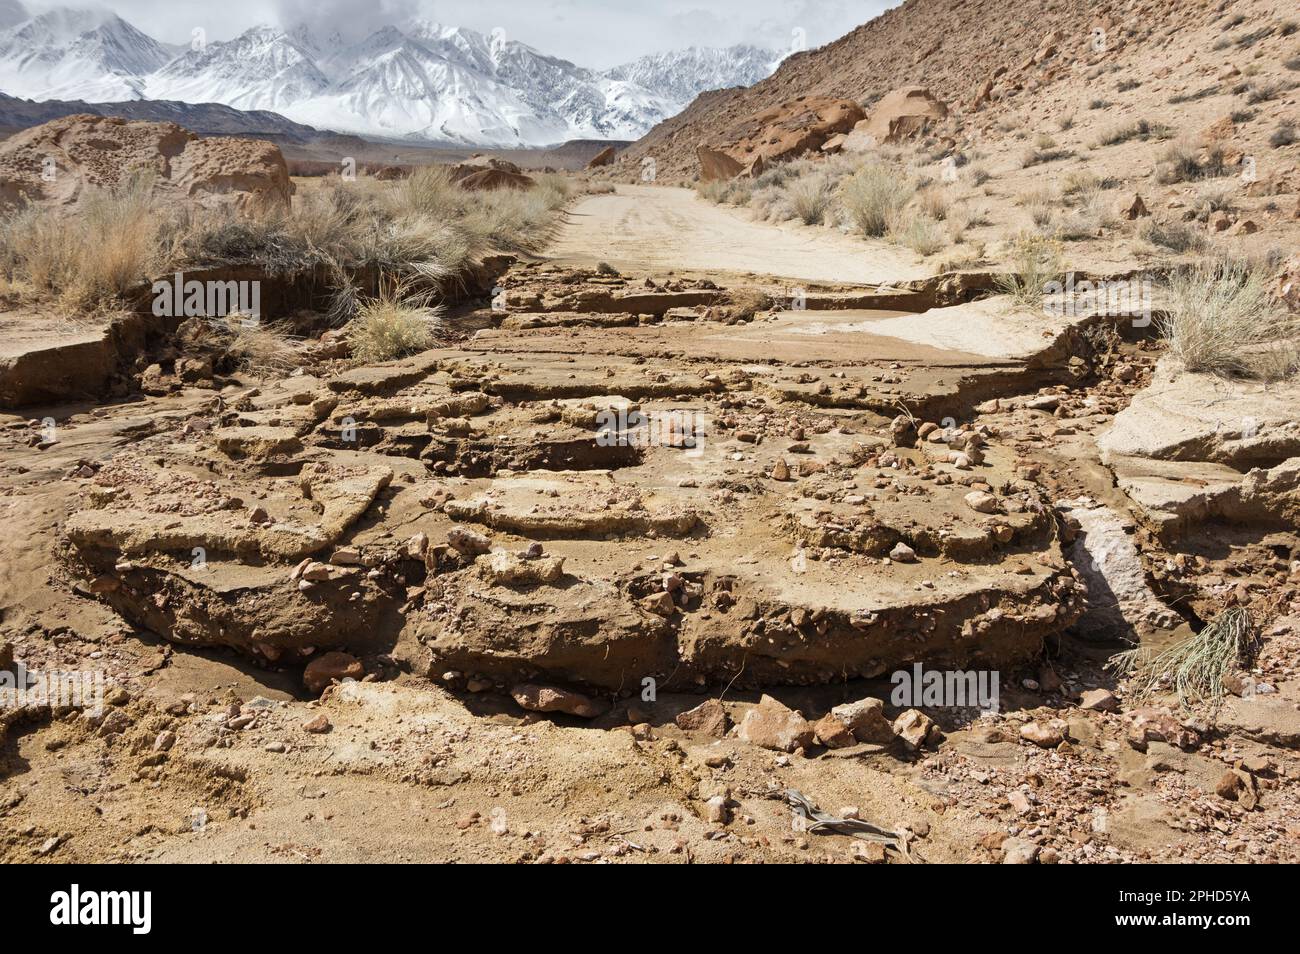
(866, 720)
(833, 733)
(709, 717)
(317, 726)
(775, 726)
(602, 158)
(538, 698)
(327, 668)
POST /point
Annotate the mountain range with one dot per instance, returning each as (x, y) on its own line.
(416, 81)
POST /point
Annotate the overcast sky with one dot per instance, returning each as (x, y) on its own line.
(595, 33)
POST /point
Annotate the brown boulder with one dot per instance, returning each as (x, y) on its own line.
(327, 668)
(788, 130)
(490, 180)
(602, 158)
(107, 151)
(716, 165)
(775, 726)
(866, 720)
(903, 113)
(552, 699)
(833, 733)
(708, 717)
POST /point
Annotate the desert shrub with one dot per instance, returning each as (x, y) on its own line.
(1123, 86)
(1222, 318)
(1035, 263)
(1174, 236)
(1284, 135)
(810, 198)
(1034, 157)
(919, 232)
(1266, 92)
(265, 350)
(1199, 94)
(1098, 104)
(1138, 129)
(393, 324)
(874, 196)
(1181, 163)
(744, 303)
(89, 256)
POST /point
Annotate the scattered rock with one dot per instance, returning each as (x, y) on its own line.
(772, 725)
(537, 698)
(709, 717)
(331, 667)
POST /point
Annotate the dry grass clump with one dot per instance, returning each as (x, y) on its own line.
(744, 303)
(1222, 318)
(1182, 163)
(264, 350)
(1141, 129)
(874, 196)
(395, 323)
(810, 198)
(1195, 667)
(424, 225)
(1035, 263)
(86, 258)
(919, 232)
(1174, 236)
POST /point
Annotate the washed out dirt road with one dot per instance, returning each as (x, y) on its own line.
(669, 228)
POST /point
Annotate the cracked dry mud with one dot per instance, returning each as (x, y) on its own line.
(613, 481)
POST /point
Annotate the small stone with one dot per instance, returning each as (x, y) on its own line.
(319, 725)
(780, 470)
(1047, 735)
(902, 553)
(327, 668)
(981, 502)
(1017, 851)
(772, 725)
(833, 733)
(537, 698)
(708, 717)
(164, 740)
(866, 720)
(1099, 700)
(716, 810)
(465, 541)
(914, 728)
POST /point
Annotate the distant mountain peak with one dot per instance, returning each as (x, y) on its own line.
(418, 79)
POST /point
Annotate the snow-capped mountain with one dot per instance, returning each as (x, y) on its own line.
(415, 80)
(681, 75)
(76, 54)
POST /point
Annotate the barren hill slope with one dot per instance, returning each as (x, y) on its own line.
(956, 48)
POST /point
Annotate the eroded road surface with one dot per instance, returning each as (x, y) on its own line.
(556, 562)
(665, 228)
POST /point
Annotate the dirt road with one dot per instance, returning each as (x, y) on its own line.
(660, 227)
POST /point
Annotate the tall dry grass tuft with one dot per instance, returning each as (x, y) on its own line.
(88, 257)
(874, 196)
(397, 322)
(1035, 263)
(1222, 318)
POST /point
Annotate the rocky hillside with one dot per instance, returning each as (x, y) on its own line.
(1019, 56)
